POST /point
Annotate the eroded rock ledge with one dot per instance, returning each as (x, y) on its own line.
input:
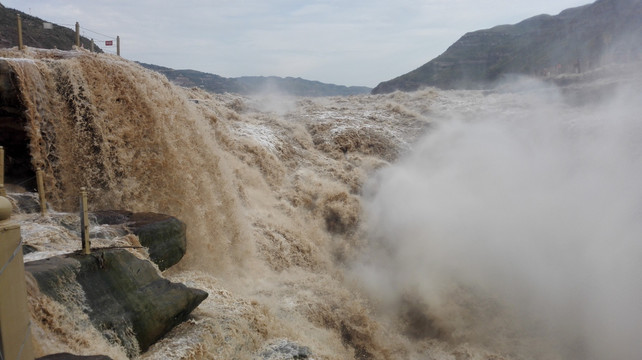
(162, 235)
(125, 297)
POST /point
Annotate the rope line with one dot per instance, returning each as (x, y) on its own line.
(24, 340)
(29, 179)
(96, 32)
(15, 252)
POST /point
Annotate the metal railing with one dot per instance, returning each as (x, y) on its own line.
(77, 26)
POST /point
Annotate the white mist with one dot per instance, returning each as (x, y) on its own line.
(533, 211)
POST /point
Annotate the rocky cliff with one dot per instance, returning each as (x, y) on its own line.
(576, 40)
(34, 34)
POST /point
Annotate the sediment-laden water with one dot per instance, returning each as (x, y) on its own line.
(434, 224)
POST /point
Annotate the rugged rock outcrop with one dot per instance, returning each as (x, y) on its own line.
(586, 37)
(125, 297)
(162, 235)
(25, 203)
(13, 136)
(34, 34)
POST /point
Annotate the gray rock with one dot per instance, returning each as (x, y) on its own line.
(284, 350)
(163, 235)
(124, 297)
(13, 136)
(25, 203)
(28, 249)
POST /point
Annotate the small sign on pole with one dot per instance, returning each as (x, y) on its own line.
(109, 43)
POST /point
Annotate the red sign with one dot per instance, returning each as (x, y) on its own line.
(109, 43)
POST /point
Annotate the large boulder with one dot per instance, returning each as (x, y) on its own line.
(284, 349)
(13, 133)
(25, 203)
(124, 296)
(163, 235)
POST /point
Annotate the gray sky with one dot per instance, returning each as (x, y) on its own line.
(349, 42)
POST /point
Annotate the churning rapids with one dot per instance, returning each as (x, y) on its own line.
(425, 225)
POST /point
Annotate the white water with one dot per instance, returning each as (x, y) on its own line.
(481, 212)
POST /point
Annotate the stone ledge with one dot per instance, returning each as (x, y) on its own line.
(125, 297)
(163, 235)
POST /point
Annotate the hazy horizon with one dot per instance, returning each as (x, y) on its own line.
(354, 44)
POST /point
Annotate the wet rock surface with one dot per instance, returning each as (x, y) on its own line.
(285, 350)
(124, 296)
(25, 203)
(163, 235)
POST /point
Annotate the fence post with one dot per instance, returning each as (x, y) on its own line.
(3, 191)
(15, 321)
(77, 34)
(92, 45)
(20, 44)
(84, 222)
(118, 45)
(41, 193)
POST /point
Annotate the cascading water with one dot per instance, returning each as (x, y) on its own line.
(270, 217)
(272, 191)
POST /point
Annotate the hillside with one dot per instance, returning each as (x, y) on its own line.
(576, 40)
(59, 37)
(34, 34)
(255, 84)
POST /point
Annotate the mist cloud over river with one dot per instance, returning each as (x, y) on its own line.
(517, 218)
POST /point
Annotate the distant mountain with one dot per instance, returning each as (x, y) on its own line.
(298, 86)
(255, 84)
(193, 78)
(34, 34)
(576, 40)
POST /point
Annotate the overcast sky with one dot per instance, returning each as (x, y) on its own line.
(348, 42)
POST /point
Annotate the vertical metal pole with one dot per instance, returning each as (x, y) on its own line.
(92, 45)
(84, 222)
(118, 45)
(41, 193)
(20, 45)
(77, 34)
(3, 192)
